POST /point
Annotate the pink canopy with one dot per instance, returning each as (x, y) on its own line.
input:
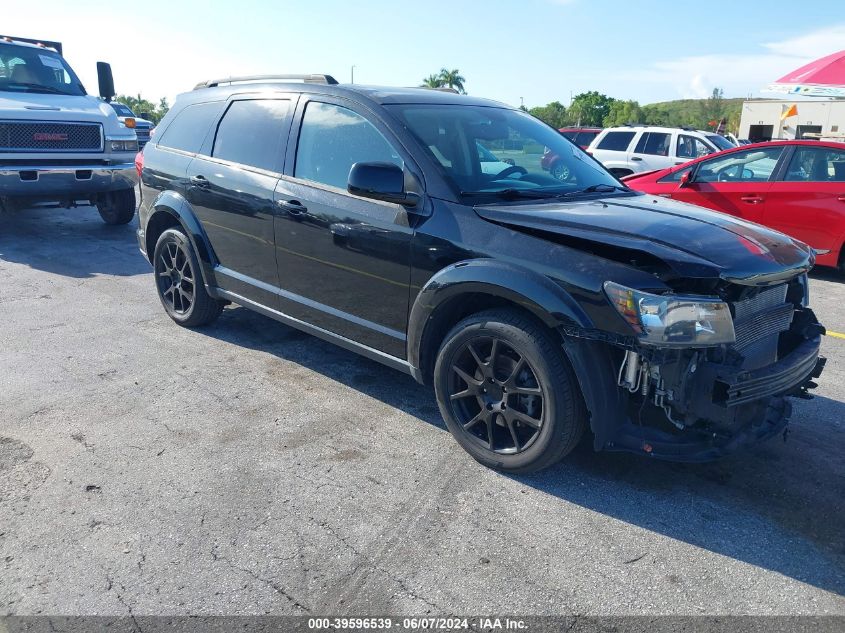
(824, 77)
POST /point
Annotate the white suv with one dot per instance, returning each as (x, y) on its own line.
(635, 149)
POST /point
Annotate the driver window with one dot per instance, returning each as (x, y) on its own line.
(756, 165)
(691, 147)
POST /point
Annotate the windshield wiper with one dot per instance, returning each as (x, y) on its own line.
(39, 88)
(601, 187)
(513, 194)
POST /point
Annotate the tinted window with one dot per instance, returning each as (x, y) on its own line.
(332, 139)
(121, 109)
(692, 147)
(676, 176)
(755, 165)
(250, 133)
(616, 141)
(570, 135)
(816, 164)
(585, 138)
(655, 143)
(188, 130)
(720, 141)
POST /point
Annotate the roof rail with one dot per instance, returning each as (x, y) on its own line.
(56, 46)
(309, 79)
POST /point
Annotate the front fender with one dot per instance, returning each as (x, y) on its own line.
(521, 286)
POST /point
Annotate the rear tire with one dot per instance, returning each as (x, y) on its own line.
(179, 282)
(507, 392)
(117, 207)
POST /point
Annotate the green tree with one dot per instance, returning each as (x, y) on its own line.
(589, 108)
(623, 112)
(432, 81)
(453, 79)
(553, 114)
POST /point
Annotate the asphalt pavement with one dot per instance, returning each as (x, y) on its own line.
(247, 468)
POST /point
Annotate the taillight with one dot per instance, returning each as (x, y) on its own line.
(139, 163)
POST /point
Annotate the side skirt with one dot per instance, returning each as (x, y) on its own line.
(331, 337)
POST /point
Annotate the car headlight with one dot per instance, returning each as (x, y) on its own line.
(673, 319)
(124, 146)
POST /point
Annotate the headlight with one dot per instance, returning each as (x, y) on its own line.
(124, 146)
(672, 319)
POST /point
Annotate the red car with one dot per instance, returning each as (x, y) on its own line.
(581, 136)
(797, 187)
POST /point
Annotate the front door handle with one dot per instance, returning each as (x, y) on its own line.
(637, 158)
(841, 198)
(293, 207)
(752, 199)
(199, 181)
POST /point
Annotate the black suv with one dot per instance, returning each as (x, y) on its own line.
(537, 307)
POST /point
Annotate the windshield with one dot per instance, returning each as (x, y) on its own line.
(121, 109)
(40, 70)
(720, 141)
(489, 150)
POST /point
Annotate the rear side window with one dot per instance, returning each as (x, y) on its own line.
(332, 139)
(616, 141)
(654, 143)
(816, 164)
(570, 135)
(251, 133)
(190, 127)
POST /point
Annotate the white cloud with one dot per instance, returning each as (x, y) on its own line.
(740, 75)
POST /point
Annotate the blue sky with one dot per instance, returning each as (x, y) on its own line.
(510, 50)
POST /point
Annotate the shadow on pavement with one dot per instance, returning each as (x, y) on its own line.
(70, 242)
(779, 507)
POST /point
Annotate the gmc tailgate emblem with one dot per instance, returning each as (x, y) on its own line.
(45, 136)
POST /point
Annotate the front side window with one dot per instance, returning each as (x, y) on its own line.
(250, 133)
(692, 147)
(676, 176)
(816, 164)
(654, 143)
(756, 165)
(190, 127)
(36, 70)
(498, 151)
(332, 139)
(616, 141)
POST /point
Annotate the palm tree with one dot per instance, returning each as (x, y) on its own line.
(432, 81)
(452, 79)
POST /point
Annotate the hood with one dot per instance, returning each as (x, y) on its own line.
(688, 240)
(47, 107)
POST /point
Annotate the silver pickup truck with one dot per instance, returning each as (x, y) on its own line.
(59, 144)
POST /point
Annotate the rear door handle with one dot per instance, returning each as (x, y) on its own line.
(636, 158)
(199, 181)
(293, 207)
(752, 199)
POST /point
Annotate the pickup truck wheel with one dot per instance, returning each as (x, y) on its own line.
(507, 392)
(179, 282)
(117, 207)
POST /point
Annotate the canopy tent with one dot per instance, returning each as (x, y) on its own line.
(824, 77)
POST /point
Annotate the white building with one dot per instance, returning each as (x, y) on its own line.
(761, 119)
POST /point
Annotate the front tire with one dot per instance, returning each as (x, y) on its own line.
(179, 282)
(117, 207)
(507, 392)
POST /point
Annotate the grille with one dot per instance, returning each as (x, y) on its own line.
(758, 323)
(46, 136)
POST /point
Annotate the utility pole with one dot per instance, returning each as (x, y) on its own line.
(352, 72)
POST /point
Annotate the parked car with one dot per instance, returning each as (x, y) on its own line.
(58, 144)
(737, 141)
(797, 187)
(634, 149)
(581, 136)
(537, 308)
(142, 126)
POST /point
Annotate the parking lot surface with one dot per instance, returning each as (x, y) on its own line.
(247, 468)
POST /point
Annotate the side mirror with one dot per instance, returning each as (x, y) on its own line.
(686, 179)
(105, 81)
(380, 181)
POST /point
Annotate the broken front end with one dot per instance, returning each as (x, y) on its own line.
(709, 369)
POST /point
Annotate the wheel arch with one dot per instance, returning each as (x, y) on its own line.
(170, 210)
(472, 286)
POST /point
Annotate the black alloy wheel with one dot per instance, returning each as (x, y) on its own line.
(495, 395)
(179, 281)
